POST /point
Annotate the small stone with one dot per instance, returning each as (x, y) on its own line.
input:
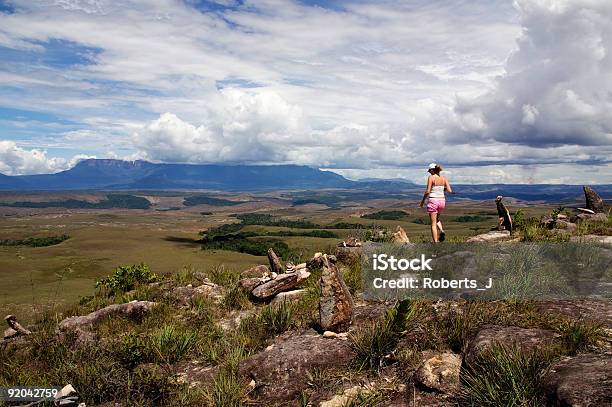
(344, 399)
(400, 236)
(440, 372)
(65, 391)
(10, 333)
(329, 334)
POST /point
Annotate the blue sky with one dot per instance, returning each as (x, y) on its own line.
(497, 90)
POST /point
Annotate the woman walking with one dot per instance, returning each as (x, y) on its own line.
(436, 185)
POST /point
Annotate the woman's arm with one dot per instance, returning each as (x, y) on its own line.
(447, 186)
(427, 191)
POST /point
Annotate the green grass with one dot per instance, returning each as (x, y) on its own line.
(170, 344)
(506, 376)
(386, 215)
(579, 335)
(227, 390)
(376, 339)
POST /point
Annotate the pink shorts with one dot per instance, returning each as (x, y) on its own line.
(435, 205)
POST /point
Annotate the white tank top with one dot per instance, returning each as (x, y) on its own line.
(437, 191)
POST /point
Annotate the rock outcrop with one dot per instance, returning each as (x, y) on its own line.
(504, 218)
(283, 282)
(184, 295)
(584, 380)
(82, 326)
(336, 303)
(280, 372)
(525, 339)
(593, 200)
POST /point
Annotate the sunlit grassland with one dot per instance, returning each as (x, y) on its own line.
(100, 240)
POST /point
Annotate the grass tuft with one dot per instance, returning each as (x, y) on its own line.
(506, 376)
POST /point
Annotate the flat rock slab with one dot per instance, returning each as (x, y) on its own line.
(581, 381)
(493, 236)
(580, 309)
(280, 372)
(592, 238)
(526, 339)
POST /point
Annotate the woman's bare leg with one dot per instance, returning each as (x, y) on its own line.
(441, 234)
(434, 226)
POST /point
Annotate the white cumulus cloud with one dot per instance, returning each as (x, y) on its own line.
(15, 160)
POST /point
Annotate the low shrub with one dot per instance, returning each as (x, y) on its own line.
(126, 278)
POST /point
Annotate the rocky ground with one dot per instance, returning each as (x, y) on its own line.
(301, 334)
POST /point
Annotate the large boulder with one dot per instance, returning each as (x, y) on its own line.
(439, 371)
(565, 225)
(336, 303)
(259, 271)
(525, 339)
(581, 381)
(591, 217)
(249, 284)
(280, 372)
(283, 282)
(593, 200)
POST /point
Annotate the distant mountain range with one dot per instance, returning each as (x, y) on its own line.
(107, 174)
(129, 175)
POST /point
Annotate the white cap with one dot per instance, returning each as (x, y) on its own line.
(432, 166)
